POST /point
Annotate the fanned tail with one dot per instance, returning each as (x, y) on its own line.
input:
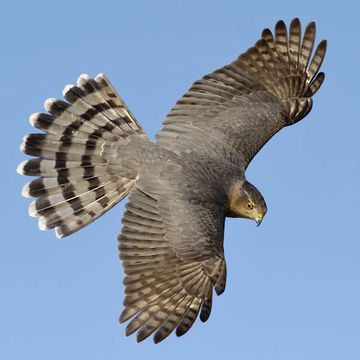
(74, 186)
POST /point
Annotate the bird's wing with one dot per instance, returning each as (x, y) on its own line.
(232, 112)
(172, 253)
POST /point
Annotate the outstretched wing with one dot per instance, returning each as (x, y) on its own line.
(234, 111)
(172, 253)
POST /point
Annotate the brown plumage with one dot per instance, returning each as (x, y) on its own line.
(93, 152)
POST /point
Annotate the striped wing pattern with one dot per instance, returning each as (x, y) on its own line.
(242, 105)
(86, 159)
(74, 186)
(164, 291)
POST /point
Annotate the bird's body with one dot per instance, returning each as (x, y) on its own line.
(182, 187)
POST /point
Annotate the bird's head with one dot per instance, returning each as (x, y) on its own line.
(246, 201)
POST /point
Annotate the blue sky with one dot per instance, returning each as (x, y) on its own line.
(293, 283)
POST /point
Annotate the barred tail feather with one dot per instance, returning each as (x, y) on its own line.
(74, 186)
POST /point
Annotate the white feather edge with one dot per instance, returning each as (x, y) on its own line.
(48, 103)
(20, 167)
(66, 89)
(42, 223)
(102, 76)
(33, 118)
(57, 233)
(26, 190)
(22, 145)
(32, 210)
(82, 79)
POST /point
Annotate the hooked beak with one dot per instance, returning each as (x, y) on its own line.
(259, 219)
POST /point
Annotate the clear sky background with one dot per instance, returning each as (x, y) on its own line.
(293, 283)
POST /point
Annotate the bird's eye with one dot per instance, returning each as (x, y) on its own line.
(249, 205)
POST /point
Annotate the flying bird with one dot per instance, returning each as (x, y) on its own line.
(92, 153)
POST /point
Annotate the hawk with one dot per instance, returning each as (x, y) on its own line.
(92, 153)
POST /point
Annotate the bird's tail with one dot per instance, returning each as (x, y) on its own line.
(284, 64)
(74, 185)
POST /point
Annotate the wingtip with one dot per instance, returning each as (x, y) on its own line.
(311, 27)
(156, 340)
(204, 317)
(122, 317)
(280, 24)
(219, 289)
(295, 21)
(129, 330)
(267, 34)
(312, 23)
(323, 43)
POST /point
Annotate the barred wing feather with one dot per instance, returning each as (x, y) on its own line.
(168, 283)
(232, 112)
